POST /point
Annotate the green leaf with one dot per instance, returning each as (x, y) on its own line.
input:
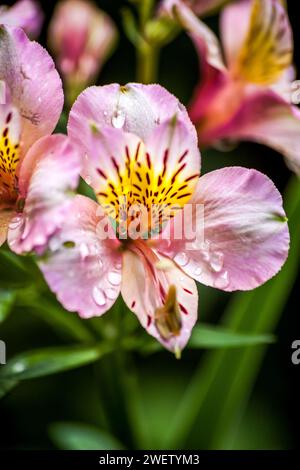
(7, 298)
(79, 436)
(48, 361)
(233, 373)
(211, 337)
(67, 323)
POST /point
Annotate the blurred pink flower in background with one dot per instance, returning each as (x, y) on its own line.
(25, 14)
(200, 7)
(250, 97)
(81, 37)
(137, 141)
(37, 170)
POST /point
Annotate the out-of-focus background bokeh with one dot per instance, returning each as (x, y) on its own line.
(239, 398)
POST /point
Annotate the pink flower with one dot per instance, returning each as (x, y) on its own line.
(139, 146)
(37, 170)
(249, 97)
(81, 36)
(25, 14)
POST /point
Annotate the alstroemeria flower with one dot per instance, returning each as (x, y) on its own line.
(25, 14)
(37, 170)
(81, 37)
(140, 147)
(249, 98)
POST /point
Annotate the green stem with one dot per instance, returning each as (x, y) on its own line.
(119, 387)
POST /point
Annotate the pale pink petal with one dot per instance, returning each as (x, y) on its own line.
(135, 108)
(25, 14)
(83, 270)
(48, 176)
(145, 287)
(246, 238)
(266, 118)
(33, 82)
(173, 160)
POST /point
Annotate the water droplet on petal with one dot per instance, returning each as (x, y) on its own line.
(99, 296)
(100, 263)
(88, 179)
(181, 259)
(222, 281)
(118, 119)
(217, 261)
(114, 278)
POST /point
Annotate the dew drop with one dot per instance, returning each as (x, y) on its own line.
(182, 259)
(118, 119)
(16, 222)
(114, 278)
(217, 261)
(99, 296)
(222, 281)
